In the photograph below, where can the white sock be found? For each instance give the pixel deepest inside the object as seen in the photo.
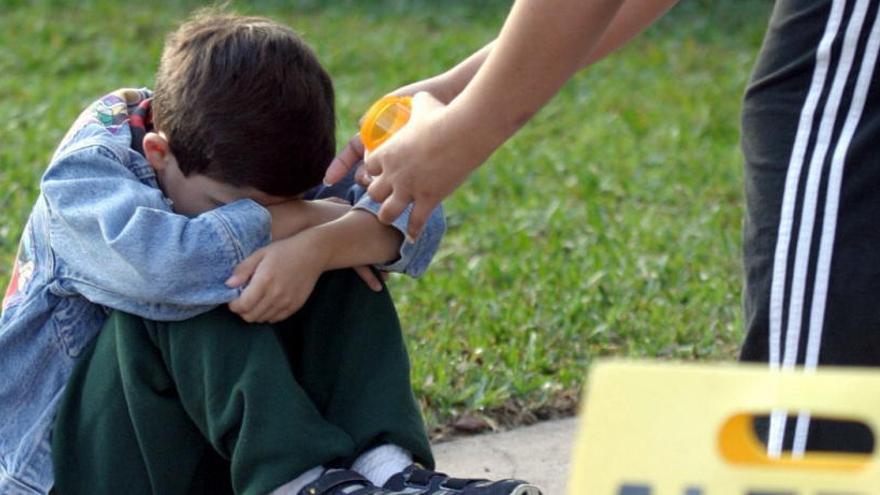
(381, 463)
(294, 487)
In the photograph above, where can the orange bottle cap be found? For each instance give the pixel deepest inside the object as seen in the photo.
(384, 118)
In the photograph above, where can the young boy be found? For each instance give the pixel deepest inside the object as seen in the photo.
(151, 221)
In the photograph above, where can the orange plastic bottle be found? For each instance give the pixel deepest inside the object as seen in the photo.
(384, 118)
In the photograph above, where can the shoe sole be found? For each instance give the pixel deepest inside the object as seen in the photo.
(526, 490)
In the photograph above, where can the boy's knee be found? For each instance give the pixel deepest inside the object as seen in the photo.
(342, 301)
(345, 290)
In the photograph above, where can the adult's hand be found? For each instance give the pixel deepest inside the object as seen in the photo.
(444, 87)
(345, 160)
(417, 165)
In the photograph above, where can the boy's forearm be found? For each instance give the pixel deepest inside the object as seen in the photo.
(356, 239)
(291, 217)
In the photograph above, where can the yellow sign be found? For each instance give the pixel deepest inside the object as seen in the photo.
(686, 429)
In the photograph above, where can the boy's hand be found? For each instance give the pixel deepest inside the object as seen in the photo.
(282, 276)
(369, 277)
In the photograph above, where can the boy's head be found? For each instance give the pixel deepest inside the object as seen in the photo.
(241, 105)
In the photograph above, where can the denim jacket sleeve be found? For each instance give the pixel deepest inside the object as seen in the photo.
(118, 243)
(414, 256)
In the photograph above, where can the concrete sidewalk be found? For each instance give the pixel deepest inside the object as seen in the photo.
(540, 454)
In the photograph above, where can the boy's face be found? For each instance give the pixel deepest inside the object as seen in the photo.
(198, 193)
(195, 194)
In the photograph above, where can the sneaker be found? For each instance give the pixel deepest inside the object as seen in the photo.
(342, 482)
(416, 480)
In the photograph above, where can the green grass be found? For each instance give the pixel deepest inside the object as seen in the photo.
(610, 226)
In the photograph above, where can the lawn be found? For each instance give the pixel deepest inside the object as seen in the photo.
(610, 226)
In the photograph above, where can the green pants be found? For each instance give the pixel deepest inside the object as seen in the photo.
(216, 405)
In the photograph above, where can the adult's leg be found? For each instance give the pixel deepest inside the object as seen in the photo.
(812, 270)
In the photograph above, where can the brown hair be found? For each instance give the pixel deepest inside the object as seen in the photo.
(243, 100)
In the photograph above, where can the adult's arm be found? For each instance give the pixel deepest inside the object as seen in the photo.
(541, 45)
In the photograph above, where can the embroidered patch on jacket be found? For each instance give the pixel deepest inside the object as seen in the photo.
(110, 112)
(22, 273)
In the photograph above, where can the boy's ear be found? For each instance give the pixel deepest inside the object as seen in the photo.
(157, 150)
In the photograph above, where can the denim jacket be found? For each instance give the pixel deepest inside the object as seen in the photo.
(100, 237)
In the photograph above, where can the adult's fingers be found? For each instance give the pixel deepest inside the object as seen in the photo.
(362, 178)
(345, 160)
(372, 165)
(392, 207)
(421, 211)
(379, 189)
(424, 100)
